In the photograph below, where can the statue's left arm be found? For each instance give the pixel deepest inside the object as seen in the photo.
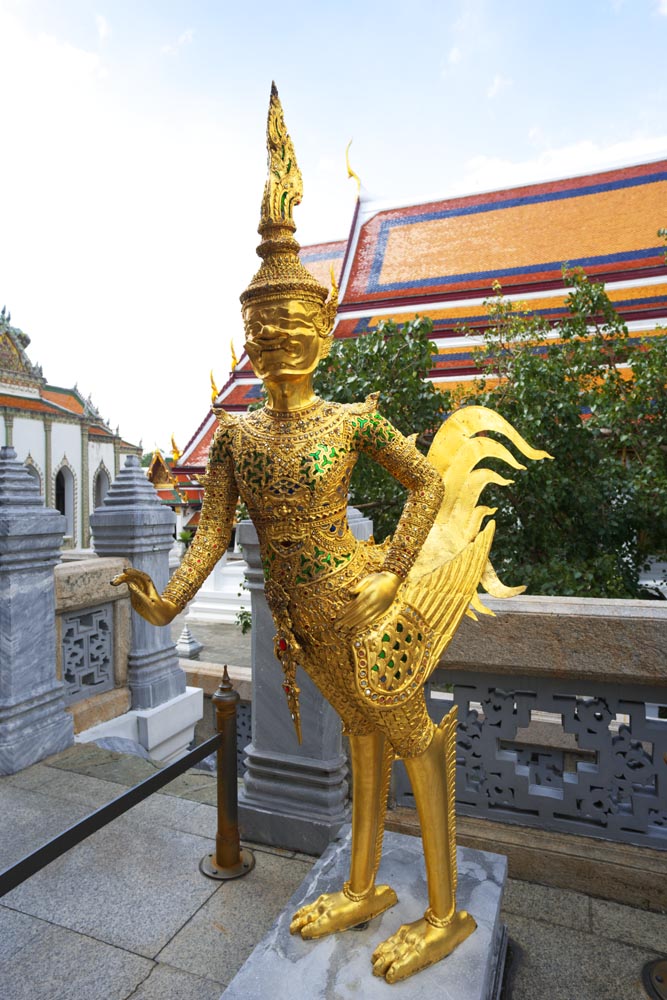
(375, 436)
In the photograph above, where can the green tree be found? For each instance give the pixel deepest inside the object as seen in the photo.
(595, 397)
(394, 360)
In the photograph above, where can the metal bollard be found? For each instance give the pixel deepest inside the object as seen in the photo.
(230, 860)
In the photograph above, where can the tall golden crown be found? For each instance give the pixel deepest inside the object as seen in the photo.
(282, 272)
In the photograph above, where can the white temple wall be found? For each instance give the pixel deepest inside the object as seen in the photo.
(28, 437)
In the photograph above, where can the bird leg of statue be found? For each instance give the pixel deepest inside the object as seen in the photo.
(367, 622)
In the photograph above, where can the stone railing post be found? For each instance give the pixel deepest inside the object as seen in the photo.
(33, 720)
(293, 796)
(133, 523)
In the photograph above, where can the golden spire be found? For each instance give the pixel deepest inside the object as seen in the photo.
(235, 360)
(281, 272)
(214, 388)
(284, 185)
(175, 453)
(350, 171)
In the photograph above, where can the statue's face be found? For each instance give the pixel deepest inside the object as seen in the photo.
(282, 338)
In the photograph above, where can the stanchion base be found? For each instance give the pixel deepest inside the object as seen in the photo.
(208, 867)
(654, 978)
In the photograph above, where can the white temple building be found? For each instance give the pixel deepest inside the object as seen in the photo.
(61, 438)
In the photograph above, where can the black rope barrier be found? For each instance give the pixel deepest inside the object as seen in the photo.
(44, 855)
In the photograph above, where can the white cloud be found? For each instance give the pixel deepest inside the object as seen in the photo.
(111, 258)
(498, 84)
(662, 7)
(487, 173)
(103, 28)
(184, 39)
(454, 56)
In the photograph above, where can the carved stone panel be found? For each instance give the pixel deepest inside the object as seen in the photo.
(557, 754)
(87, 648)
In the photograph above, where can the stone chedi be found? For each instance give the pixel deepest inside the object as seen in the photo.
(33, 720)
(367, 622)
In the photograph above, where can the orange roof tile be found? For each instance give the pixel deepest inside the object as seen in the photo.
(63, 397)
(28, 403)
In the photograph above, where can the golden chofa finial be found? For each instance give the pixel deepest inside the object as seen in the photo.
(175, 453)
(214, 388)
(350, 171)
(235, 360)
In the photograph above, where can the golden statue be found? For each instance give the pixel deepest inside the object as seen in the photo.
(367, 622)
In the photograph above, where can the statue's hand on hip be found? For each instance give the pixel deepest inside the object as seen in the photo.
(144, 597)
(372, 596)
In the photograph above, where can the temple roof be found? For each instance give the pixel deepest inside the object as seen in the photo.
(456, 248)
(440, 259)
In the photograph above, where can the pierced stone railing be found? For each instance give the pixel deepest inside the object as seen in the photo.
(562, 707)
(92, 640)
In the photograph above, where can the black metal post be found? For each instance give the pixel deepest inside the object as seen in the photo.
(229, 860)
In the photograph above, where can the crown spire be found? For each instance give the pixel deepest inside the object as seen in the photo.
(281, 273)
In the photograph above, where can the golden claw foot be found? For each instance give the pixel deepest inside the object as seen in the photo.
(335, 911)
(419, 944)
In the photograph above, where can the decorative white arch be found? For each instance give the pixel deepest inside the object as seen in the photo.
(101, 484)
(35, 472)
(66, 496)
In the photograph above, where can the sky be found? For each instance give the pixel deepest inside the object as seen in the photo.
(133, 154)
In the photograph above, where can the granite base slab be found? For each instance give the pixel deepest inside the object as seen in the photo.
(338, 967)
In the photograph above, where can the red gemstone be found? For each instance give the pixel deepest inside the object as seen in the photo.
(286, 688)
(282, 645)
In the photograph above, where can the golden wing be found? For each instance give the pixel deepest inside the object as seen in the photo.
(455, 452)
(396, 655)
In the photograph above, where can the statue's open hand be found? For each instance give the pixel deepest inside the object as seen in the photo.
(144, 597)
(372, 597)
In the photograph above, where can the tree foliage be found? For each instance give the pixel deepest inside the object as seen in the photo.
(395, 361)
(595, 397)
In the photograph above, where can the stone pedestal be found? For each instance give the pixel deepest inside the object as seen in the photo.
(133, 523)
(33, 720)
(285, 967)
(293, 796)
(222, 595)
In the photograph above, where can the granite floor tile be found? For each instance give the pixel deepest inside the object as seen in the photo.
(174, 813)
(59, 964)
(167, 983)
(17, 930)
(558, 963)
(132, 885)
(629, 924)
(206, 794)
(75, 787)
(29, 819)
(31, 777)
(191, 784)
(219, 938)
(86, 758)
(557, 906)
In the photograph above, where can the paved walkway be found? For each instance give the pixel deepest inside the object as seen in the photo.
(127, 914)
(221, 643)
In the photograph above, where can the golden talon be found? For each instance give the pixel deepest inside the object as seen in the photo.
(337, 911)
(417, 945)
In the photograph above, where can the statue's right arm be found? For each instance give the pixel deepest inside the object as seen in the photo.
(209, 544)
